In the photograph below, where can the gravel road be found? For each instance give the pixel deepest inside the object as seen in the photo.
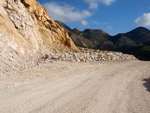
(65, 87)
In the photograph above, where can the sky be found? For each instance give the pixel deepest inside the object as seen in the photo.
(111, 16)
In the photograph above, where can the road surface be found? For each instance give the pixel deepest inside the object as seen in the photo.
(65, 87)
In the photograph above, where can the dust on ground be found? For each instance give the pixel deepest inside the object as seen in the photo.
(65, 87)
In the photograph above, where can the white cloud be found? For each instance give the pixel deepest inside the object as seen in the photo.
(109, 27)
(93, 5)
(143, 20)
(95, 22)
(106, 2)
(65, 12)
(84, 23)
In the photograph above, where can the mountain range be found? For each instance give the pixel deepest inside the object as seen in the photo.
(135, 42)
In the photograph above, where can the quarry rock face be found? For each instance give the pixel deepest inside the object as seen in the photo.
(27, 25)
(28, 32)
(47, 24)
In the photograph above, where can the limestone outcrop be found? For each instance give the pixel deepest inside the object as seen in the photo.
(48, 25)
(27, 33)
(27, 25)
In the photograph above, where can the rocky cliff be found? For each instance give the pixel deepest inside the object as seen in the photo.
(27, 32)
(30, 20)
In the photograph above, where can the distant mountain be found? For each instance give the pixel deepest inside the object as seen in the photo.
(76, 31)
(136, 42)
(99, 38)
(89, 38)
(125, 41)
(76, 36)
(96, 36)
(139, 36)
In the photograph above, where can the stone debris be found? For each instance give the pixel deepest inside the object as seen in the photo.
(89, 56)
(13, 61)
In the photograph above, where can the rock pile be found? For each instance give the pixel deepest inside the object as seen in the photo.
(13, 61)
(89, 56)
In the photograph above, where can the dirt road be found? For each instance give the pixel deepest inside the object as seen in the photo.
(64, 87)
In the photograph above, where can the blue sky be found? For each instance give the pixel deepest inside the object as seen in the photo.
(112, 16)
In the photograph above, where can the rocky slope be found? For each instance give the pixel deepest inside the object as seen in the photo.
(28, 35)
(89, 38)
(135, 42)
(27, 32)
(76, 36)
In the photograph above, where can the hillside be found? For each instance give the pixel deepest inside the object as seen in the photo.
(76, 36)
(139, 35)
(135, 42)
(97, 36)
(88, 38)
(27, 33)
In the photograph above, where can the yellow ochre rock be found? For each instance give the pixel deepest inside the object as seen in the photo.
(26, 27)
(56, 33)
(27, 33)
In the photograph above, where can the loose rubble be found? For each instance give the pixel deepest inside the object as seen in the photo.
(89, 56)
(13, 61)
